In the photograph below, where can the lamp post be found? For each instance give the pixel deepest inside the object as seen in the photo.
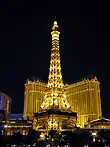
(94, 135)
(5, 128)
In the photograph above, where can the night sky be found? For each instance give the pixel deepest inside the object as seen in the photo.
(25, 44)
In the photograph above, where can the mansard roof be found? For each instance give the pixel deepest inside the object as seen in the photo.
(102, 120)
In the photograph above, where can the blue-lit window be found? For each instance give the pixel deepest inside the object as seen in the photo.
(0, 99)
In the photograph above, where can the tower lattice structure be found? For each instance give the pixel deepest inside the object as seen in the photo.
(55, 97)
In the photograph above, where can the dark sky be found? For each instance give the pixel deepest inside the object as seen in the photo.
(25, 44)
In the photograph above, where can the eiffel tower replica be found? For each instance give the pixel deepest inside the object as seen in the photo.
(55, 113)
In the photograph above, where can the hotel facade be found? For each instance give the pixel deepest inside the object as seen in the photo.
(83, 97)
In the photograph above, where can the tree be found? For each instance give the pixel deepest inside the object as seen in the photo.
(32, 137)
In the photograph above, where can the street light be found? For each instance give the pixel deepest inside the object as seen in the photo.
(5, 129)
(5, 126)
(94, 134)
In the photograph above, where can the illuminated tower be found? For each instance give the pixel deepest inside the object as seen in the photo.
(55, 111)
(55, 97)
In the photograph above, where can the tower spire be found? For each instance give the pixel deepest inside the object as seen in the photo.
(55, 75)
(55, 97)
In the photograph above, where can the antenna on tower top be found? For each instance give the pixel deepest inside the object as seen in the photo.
(54, 18)
(55, 25)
